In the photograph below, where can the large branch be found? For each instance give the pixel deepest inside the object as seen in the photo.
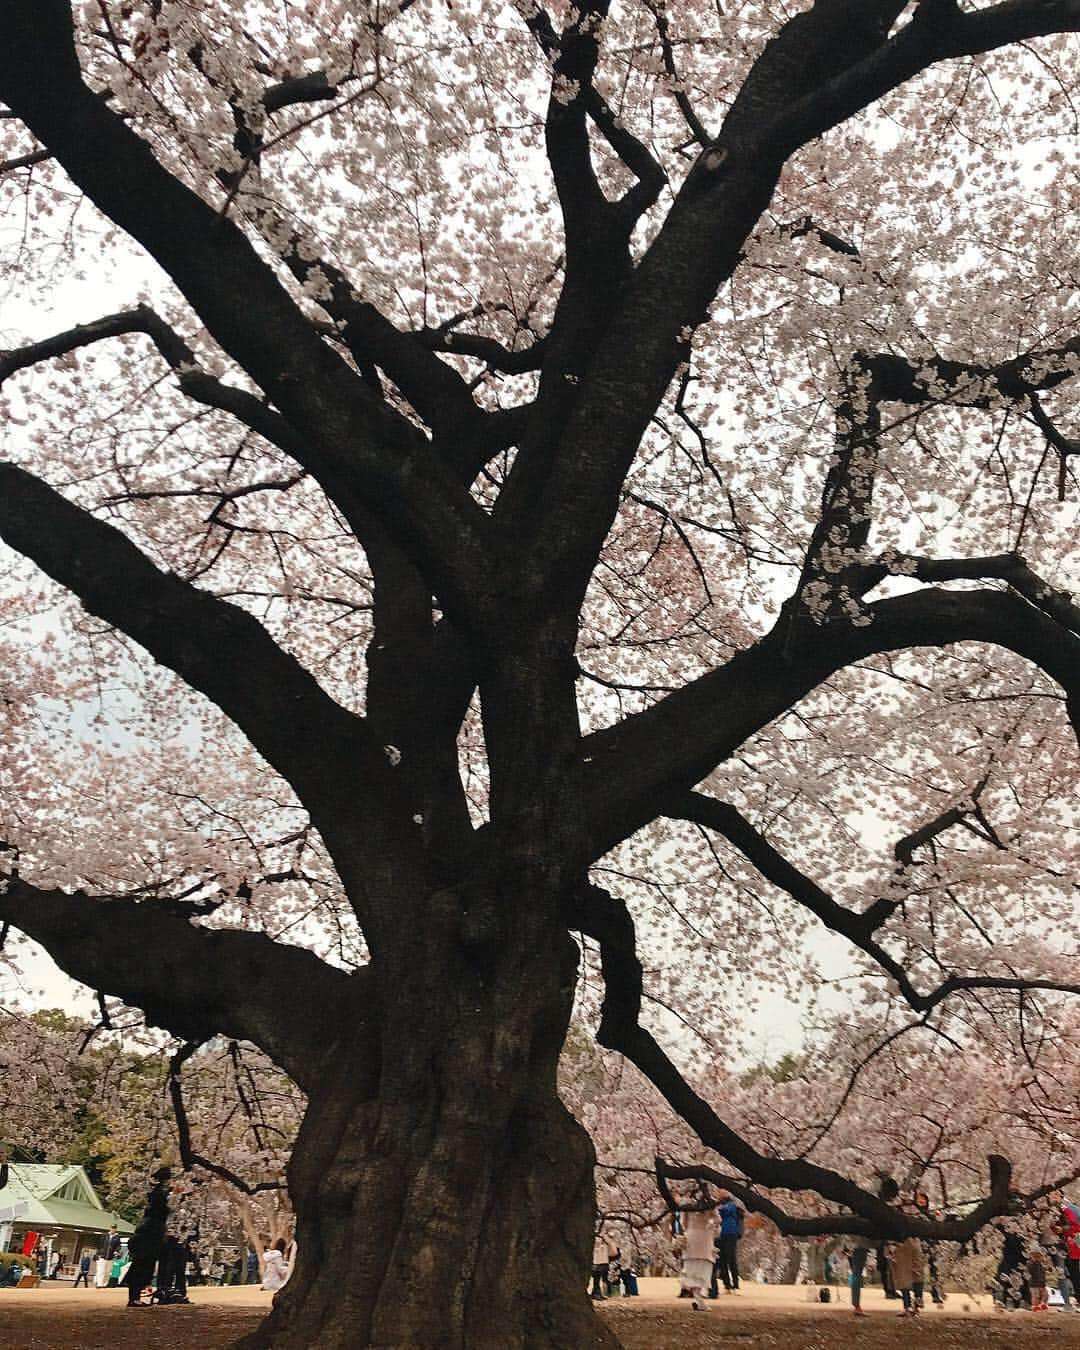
(365, 450)
(218, 649)
(631, 769)
(858, 927)
(194, 982)
(574, 54)
(418, 684)
(798, 1225)
(939, 31)
(836, 47)
(606, 919)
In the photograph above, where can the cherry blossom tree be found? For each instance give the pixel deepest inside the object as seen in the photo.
(561, 497)
(116, 1098)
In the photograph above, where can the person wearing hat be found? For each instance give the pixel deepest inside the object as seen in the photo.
(148, 1240)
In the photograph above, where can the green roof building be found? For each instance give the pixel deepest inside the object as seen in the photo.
(57, 1203)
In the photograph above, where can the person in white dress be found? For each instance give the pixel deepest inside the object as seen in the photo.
(698, 1257)
(275, 1267)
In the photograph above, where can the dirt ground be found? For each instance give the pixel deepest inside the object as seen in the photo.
(653, 1326)
(771, 1317)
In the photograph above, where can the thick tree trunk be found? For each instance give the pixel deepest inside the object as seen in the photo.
(444, 1196)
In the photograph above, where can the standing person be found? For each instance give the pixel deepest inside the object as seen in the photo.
(614, 1270)
(1037, 1264)
(1068, 1228)
(1052, 1241)
(1013, 1289)
(889, 1191)
(884, 1270)
(146, 1243)
(698, 1257)
(907, 1273)
(922, 1207)
(55, 1264)
(276, 1268)
(599, 1265)
(731, 1229)
(112, 1245)
(857, 1256)
(84, 1271)
(172, 1277)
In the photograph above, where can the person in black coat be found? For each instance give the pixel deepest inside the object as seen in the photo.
(146, 1244)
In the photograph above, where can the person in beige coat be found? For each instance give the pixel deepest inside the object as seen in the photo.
(697, 1262)
(906, 1262)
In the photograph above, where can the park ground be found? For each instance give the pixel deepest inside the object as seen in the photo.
(774, 1317)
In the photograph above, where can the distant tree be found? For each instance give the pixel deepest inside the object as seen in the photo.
(577, 498)
(115, 1104)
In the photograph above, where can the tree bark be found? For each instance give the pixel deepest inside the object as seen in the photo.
(444, 1195)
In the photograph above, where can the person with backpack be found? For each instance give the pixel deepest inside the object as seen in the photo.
(732, 1221)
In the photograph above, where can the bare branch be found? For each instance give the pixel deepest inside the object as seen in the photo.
(188, 1157)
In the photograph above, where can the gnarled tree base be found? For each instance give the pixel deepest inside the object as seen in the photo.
(451, 1234)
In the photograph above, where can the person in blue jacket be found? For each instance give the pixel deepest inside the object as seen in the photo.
(727, 1242)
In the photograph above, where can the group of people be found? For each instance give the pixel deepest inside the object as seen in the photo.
(1041, 1249)
(1028, 1263)
(107, 1265)
(611, 1271)
(711, 1231)
(1024, 1271)
(159, 1257)
(902, 1266)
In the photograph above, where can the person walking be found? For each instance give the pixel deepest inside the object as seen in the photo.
(1037, 1267)
(1013, 1289)
(922, 1207)
(727, 1252)
(84, 1271)
(698, 1256)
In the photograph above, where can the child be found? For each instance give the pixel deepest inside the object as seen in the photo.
(1037, 1280)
